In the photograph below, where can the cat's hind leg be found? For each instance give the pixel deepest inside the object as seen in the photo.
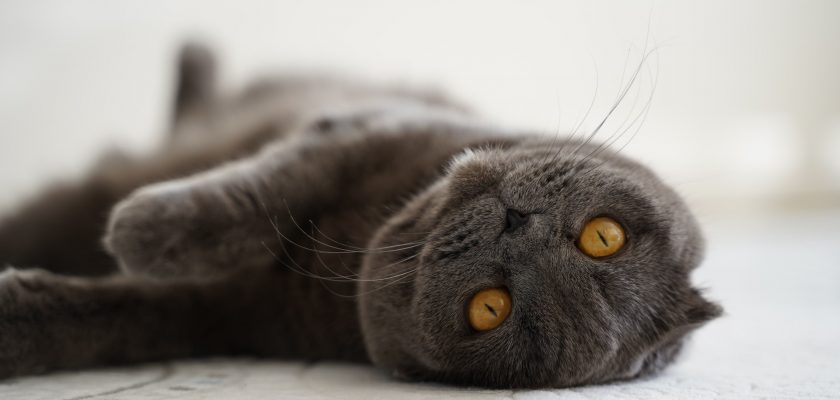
(195, 91)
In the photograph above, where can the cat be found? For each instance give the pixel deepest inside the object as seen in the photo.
(329, 218)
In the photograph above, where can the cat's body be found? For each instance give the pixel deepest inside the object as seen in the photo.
(322, 219)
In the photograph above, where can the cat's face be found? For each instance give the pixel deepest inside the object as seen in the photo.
(573, 318)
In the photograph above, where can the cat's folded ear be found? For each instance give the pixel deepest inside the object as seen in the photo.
(196, 80)
(699, 310)
(696, 312)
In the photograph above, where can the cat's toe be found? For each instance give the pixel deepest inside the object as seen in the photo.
(16, 281)
(32, 280)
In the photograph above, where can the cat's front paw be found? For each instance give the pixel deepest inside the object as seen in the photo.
(147, 232)
(16, 282)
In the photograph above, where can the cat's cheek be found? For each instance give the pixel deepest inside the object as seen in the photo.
(384, 322)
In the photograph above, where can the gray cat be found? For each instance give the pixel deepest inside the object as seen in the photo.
(324, 218)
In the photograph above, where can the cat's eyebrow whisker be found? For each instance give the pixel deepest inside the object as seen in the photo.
(556, 135)
(582, 120)
(611, 139)
(655, 83)
(612, 109)
(622, 94)
(643, 115)
(622, 130)
(624, 67)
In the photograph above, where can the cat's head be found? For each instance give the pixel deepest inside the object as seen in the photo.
(594, 251)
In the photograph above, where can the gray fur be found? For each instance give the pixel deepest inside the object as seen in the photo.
(322, 218)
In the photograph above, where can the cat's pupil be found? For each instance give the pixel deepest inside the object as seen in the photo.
(603, 239)
(515, 219)
(492, 311)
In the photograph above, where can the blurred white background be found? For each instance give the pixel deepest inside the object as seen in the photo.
(745, 115)
(745, 122)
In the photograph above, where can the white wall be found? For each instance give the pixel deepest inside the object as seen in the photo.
(745, 115)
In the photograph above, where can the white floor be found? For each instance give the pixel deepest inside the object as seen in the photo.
(779, 281)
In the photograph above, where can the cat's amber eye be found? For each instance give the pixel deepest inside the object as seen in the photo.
(601, 237)
(489, 308)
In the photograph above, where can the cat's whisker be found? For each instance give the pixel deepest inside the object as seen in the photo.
(591, 106)
(624, 67)
(280, 234)
(315, 240)
(619, 133)
(557, 130)
(296, 244)
(321, 280)
(654, 84)
(402, 280)
(622, 94)
(338, 277)
(299, 270)
(340, 259)
(654, 78)
(612, 109)
(627, 118)
(363, 248)
(582, 120)
(321, 261)
(324, 264)
(343, 250)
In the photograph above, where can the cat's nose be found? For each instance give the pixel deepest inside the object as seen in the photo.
(515, 219)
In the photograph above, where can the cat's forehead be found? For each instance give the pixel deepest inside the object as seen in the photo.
(537, 166)
(569, 181)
